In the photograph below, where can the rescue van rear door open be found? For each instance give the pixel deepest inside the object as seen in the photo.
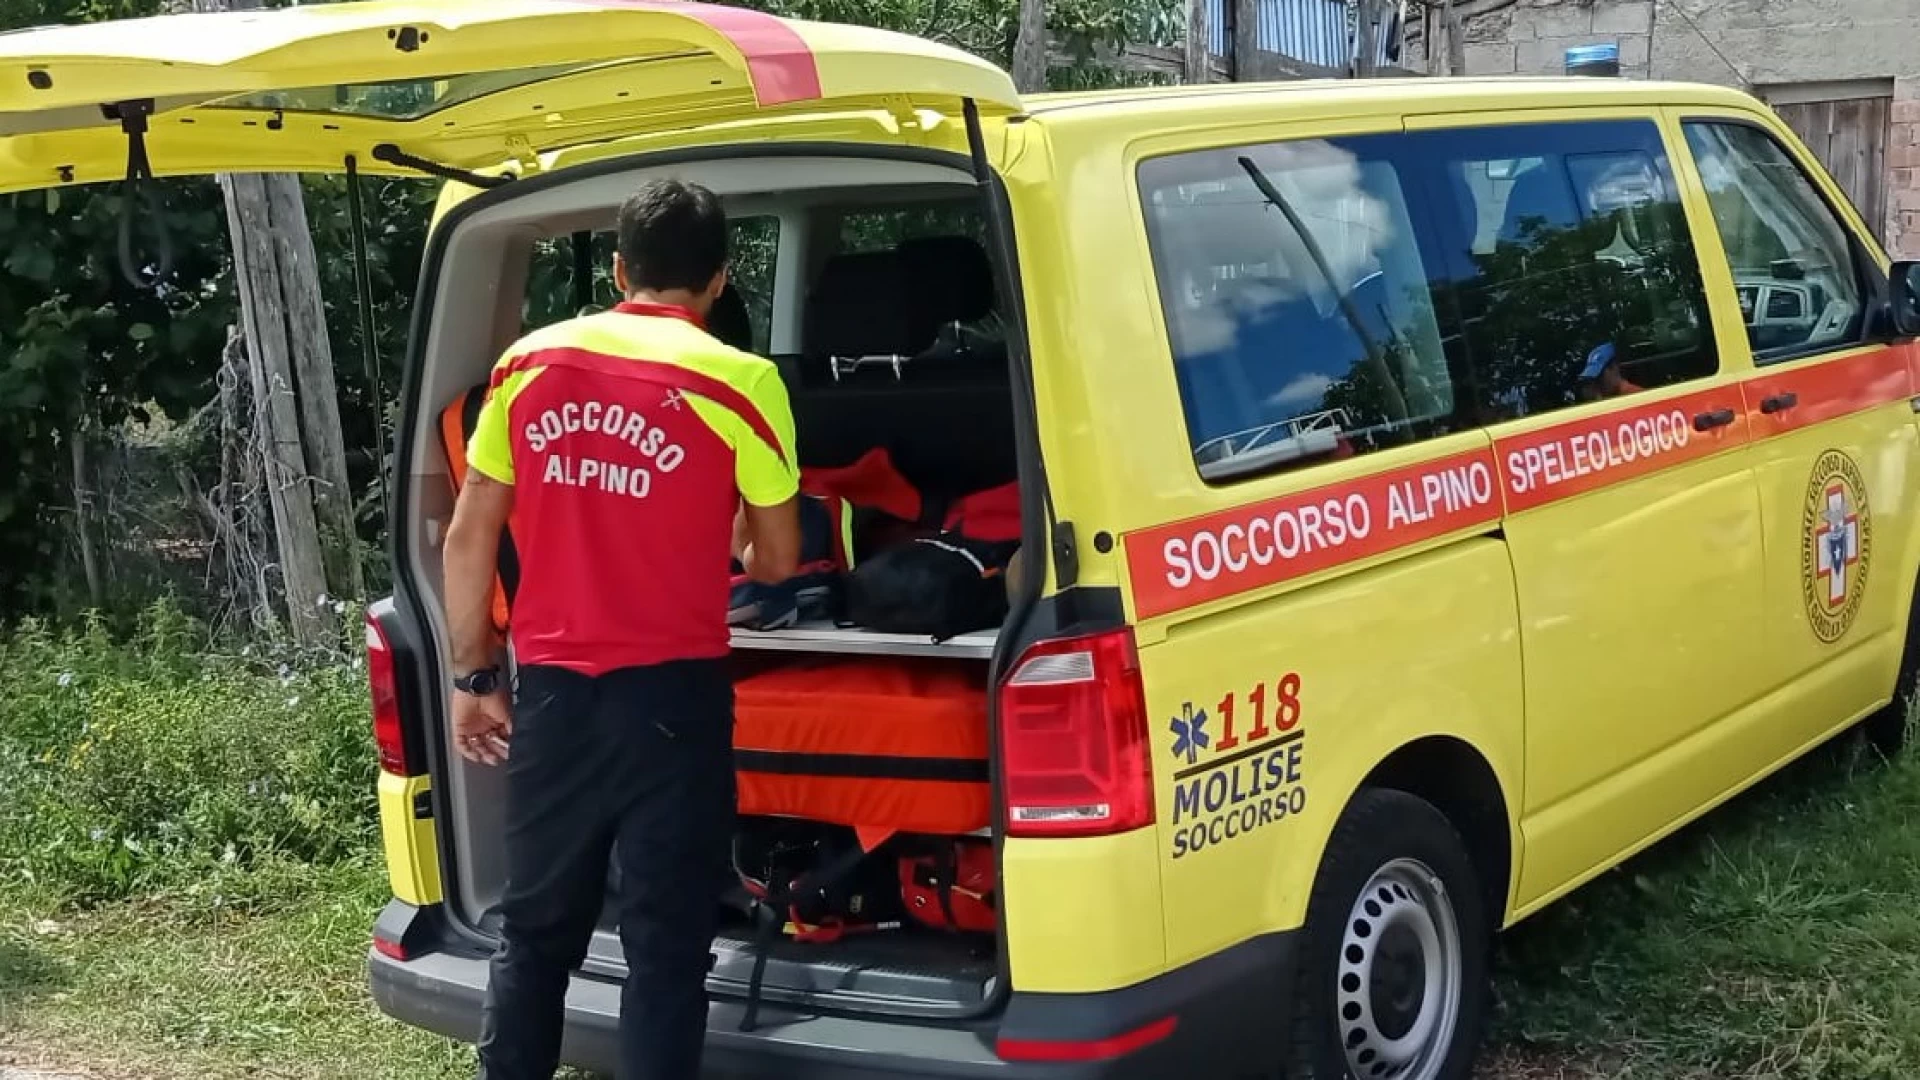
(464, 85)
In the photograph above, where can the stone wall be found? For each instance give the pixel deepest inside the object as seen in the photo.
(1903, 158)
(1744, 43)
(1533, 39)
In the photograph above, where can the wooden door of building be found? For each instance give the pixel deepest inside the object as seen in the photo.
(1849, 136)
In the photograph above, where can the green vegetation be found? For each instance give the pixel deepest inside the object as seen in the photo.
(1777, 938)
(188, 872)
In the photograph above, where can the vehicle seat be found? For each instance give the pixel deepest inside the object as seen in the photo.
(946, 421)
(729, 321)
(1543, 198)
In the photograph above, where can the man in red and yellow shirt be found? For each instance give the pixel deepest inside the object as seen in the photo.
(637, 456)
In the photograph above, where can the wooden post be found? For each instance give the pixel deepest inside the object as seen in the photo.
(1199, 43)
(1030, 48)
(1246, 39)
(83, 512)
(1363, 39)
(321, 434)
(1456, 40)
(296, 402)
(276, 426)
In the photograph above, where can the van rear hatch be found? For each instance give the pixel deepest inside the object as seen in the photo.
(470, 84)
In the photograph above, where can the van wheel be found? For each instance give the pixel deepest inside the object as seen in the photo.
(1392, 981)
(1889, 730)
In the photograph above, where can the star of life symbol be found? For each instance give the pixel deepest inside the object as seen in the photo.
(1837, 543)
(675, 400)
(1190, 733)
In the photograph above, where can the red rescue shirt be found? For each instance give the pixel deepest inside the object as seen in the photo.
(631, 437)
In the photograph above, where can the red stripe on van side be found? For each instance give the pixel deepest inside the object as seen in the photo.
(1593, 452)
(1218, 555)
(1561, 461)
(778, 60)
(1830, 390)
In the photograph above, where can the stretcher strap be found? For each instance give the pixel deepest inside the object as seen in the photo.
(771, 913)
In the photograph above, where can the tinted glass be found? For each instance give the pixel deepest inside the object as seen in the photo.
(1298, 301)
(1332, 297)
(408, 99)
(551, 294)
(1791, 257)
(1572, 268)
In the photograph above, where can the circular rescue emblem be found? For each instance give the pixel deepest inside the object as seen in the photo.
(1836, 545)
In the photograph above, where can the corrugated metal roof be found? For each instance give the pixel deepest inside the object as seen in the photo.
(1319, 32)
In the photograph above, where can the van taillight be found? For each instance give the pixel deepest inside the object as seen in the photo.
(1073, 739)
(386, 702)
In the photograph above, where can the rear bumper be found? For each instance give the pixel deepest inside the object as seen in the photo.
(1226, 1008)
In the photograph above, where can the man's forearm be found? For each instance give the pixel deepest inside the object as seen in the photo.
(469, 576)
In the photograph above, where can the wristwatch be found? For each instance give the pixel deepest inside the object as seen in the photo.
(481, 683)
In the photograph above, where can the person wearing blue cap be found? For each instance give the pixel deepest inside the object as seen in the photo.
(1601, 378)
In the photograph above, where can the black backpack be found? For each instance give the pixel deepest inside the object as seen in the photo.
(937, 586)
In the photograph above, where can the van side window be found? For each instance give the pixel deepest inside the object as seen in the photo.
(1793, 264)
(1575, 274)
(1298, 303)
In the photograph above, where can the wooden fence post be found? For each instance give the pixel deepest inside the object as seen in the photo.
(1199, 43)
(1246, 40)
(1030, 48)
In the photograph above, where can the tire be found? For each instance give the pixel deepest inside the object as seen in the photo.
(1392, 982)
(1889, 730)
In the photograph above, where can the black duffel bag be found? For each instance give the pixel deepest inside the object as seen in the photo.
(936, 586)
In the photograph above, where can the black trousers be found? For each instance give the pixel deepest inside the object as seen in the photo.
(641, 758)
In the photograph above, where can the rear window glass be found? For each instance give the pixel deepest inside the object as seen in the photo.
(1297, 300)
(408, 99)
(553, 281)
(885, 229)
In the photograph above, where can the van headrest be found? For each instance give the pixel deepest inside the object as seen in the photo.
(1541, 194)
(858, 307)
(951, 279)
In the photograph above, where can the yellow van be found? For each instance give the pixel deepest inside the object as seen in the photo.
(1435, 491)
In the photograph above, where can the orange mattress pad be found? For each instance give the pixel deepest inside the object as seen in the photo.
(882, 745)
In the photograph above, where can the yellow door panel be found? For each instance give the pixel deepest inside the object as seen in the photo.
(1834, 446)
(1266, 717)
(1639, 612)
(1837, 496)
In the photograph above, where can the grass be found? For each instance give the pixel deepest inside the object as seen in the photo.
(166, 989)
(186, 888)
(1778, 938)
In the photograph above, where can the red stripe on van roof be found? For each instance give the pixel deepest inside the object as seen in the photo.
(778, 60)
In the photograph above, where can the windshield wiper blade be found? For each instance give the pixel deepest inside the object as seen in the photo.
(393, 155)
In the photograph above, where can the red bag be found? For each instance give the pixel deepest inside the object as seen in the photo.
(992, 515)
(952, 886)
(883, 745)
(872, 481)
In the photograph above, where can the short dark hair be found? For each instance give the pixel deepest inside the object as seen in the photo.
(673, 235)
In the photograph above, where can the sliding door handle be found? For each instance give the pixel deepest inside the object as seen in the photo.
(1707, 421)
(1780, 402)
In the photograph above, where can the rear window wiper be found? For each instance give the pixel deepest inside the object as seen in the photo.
(1390, 388)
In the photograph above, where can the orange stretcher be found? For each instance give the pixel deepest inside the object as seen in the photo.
(883, 745)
